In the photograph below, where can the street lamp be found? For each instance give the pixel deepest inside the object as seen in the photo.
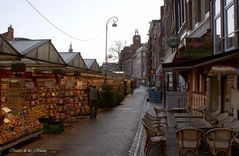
(113, 19)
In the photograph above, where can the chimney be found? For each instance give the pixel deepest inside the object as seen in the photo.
(9, 35)
(70, 50)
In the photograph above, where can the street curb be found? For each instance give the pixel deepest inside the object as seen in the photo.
(137, 143)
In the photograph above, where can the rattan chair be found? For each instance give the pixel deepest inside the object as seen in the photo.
(226, 121)
(153, 124)
(161, 115)
(211, 115)
(235, 125)
(220, 140)
(153, 137)
(189, 139)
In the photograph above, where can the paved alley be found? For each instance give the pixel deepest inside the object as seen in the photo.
(111, 134)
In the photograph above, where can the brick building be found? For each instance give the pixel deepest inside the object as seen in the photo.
(128, 52)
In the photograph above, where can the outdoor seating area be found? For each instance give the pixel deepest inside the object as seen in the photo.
(154, 134)
(214, 135)
(220, 140)
(218, 131)
(189, 139)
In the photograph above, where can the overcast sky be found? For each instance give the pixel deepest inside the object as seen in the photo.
(83, 19)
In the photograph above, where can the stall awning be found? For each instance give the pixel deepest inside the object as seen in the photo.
(194, 63)
(7, 51)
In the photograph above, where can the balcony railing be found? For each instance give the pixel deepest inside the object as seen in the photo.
(179, 99)
(195, 101)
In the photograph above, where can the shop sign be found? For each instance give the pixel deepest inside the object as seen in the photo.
(173, 41)
(195, 53)
(196, 48)
(197, 43)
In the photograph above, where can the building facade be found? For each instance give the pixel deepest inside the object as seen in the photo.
(128, 52)
(154, 49)
(138, 62)
(207, 55)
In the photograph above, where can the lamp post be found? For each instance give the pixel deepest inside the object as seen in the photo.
(113, 19)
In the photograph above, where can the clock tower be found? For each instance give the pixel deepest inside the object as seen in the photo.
(136, 40)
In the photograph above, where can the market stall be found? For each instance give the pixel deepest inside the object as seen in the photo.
(18, 121)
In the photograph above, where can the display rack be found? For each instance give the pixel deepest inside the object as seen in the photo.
(17, 107)
(20, 140)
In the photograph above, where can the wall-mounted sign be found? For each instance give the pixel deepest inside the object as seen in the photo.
(173, 41)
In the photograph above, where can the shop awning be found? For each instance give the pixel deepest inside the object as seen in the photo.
(73, 59)
(39, 50)
(7, 51)
(92, 64)
(194, 63)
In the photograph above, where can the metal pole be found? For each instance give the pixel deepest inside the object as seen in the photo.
(115, 19)
(106, 37)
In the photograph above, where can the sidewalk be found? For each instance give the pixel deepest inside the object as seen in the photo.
(172, 147)
(110, 134)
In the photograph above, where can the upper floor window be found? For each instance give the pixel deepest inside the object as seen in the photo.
(181, 12)
(228, 1)
(218, 35)
(230, 27)
(217, 27)
(217, 6)
(225, 31)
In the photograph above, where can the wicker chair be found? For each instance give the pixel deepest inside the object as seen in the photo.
(189, 139)
(154, 137)
(235, 125)
(226, 121)
(152, 123)
(161, 115)
(220, 140)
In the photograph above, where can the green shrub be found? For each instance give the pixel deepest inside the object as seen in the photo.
(109, 97)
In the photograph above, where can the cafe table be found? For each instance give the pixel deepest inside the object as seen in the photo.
(200, 123)
(186, 115)
(190, 120)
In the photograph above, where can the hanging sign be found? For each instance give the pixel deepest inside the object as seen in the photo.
(173, 41)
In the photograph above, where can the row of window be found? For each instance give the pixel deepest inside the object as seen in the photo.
(192, 11)
(225, 15)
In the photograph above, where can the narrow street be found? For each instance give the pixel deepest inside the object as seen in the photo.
(111, 134)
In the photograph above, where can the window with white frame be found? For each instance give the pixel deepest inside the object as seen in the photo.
(217, 27)
(226, 17)
(181, 12)
(229, 25)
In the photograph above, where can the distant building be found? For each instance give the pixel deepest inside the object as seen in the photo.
(9, 35)
(154, 51)
(128, 52)
(110, 67)
(138, 64)
(92, 64)
(73, 59)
